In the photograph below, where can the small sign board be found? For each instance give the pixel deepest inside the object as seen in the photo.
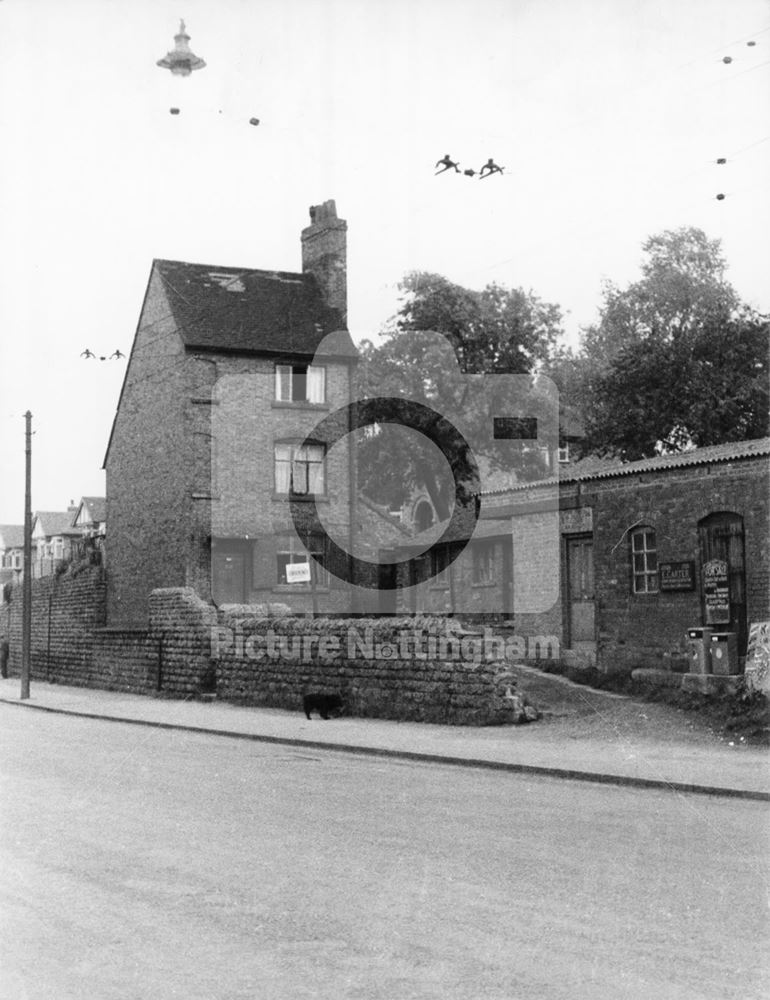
(298, 572)
(716, 592)
(676, 575)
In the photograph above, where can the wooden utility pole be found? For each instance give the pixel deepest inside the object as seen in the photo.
(26, 606)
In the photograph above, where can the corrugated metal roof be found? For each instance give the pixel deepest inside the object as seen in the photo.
(237, 309)
(734, 450)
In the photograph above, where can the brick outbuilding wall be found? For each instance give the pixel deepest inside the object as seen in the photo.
(646, 630)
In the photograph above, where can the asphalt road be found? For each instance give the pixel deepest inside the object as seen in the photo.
(139, 863)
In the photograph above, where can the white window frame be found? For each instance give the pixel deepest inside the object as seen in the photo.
(298, 468)
(291, 550)
(286, 383)
(644, 560)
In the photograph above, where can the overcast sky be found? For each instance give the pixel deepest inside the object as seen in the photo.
(608, 116)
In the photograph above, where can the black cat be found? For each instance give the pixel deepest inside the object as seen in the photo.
(323, 704)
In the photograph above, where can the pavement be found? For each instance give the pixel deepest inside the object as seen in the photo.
(607, 738)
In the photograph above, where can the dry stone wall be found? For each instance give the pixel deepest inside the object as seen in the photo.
(425, 669)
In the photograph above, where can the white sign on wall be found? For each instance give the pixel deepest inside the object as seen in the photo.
(298, 572)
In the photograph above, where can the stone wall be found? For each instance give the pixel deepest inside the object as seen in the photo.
(66, 613)
(425, 670)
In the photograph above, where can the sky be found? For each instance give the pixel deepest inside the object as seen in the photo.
(607, 115)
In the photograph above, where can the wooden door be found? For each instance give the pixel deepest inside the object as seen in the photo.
(229, 577)
(580, 594)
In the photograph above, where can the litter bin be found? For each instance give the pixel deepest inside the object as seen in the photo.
(724, 653)
(698, 651)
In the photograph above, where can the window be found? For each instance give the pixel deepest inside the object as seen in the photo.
(439, 566)
(300, 469)
(291, 550)
(644, 561)
(300, 383)
(483, 562)
(563, 455)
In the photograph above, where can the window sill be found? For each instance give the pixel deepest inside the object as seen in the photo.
(295, 588)
(301, 497)
(298, 404)
(484, 583)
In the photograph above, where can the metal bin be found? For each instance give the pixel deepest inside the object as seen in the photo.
(698, 650)
(724, 653)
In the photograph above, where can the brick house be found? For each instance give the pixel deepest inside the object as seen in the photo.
(223, 379)
(638, 544)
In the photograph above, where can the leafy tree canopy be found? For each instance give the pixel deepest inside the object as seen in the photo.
(495, 331)
(675, 361)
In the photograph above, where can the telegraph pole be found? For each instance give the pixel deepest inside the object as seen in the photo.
(26, 607)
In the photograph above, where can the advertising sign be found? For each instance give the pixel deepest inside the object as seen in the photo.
(716, 592)
(298, 572)
(677, 575)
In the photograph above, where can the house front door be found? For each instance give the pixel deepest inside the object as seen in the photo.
(580, 596)
(229, 577)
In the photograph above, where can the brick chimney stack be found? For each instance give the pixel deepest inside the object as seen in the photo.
(324, 254)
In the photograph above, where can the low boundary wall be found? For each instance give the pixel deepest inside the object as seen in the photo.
(423, 669)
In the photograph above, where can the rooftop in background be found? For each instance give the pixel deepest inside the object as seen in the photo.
(55, 522)
(12, 536)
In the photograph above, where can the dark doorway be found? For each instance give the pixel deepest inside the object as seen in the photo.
(720, 536)
(229, 564)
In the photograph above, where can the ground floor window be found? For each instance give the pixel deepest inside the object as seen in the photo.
(644, 557)
(291, 550)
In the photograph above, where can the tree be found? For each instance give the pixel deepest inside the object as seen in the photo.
(496, 330)
(675, 361)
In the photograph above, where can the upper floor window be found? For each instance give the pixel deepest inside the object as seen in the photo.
(299, 468)
(644, 557)
(300, 383)
(563, 454)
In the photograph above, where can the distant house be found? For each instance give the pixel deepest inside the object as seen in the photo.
(91, 517)
(207, 441)
(11, 552)
(53, 538)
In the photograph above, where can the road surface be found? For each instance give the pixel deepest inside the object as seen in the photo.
(142, 863)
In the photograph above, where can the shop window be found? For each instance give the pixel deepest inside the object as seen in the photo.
(644, 557)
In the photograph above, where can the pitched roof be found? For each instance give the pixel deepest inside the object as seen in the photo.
(239, 309)
(56, 522)
(604, 469)
(12, 535)
(97, 508)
